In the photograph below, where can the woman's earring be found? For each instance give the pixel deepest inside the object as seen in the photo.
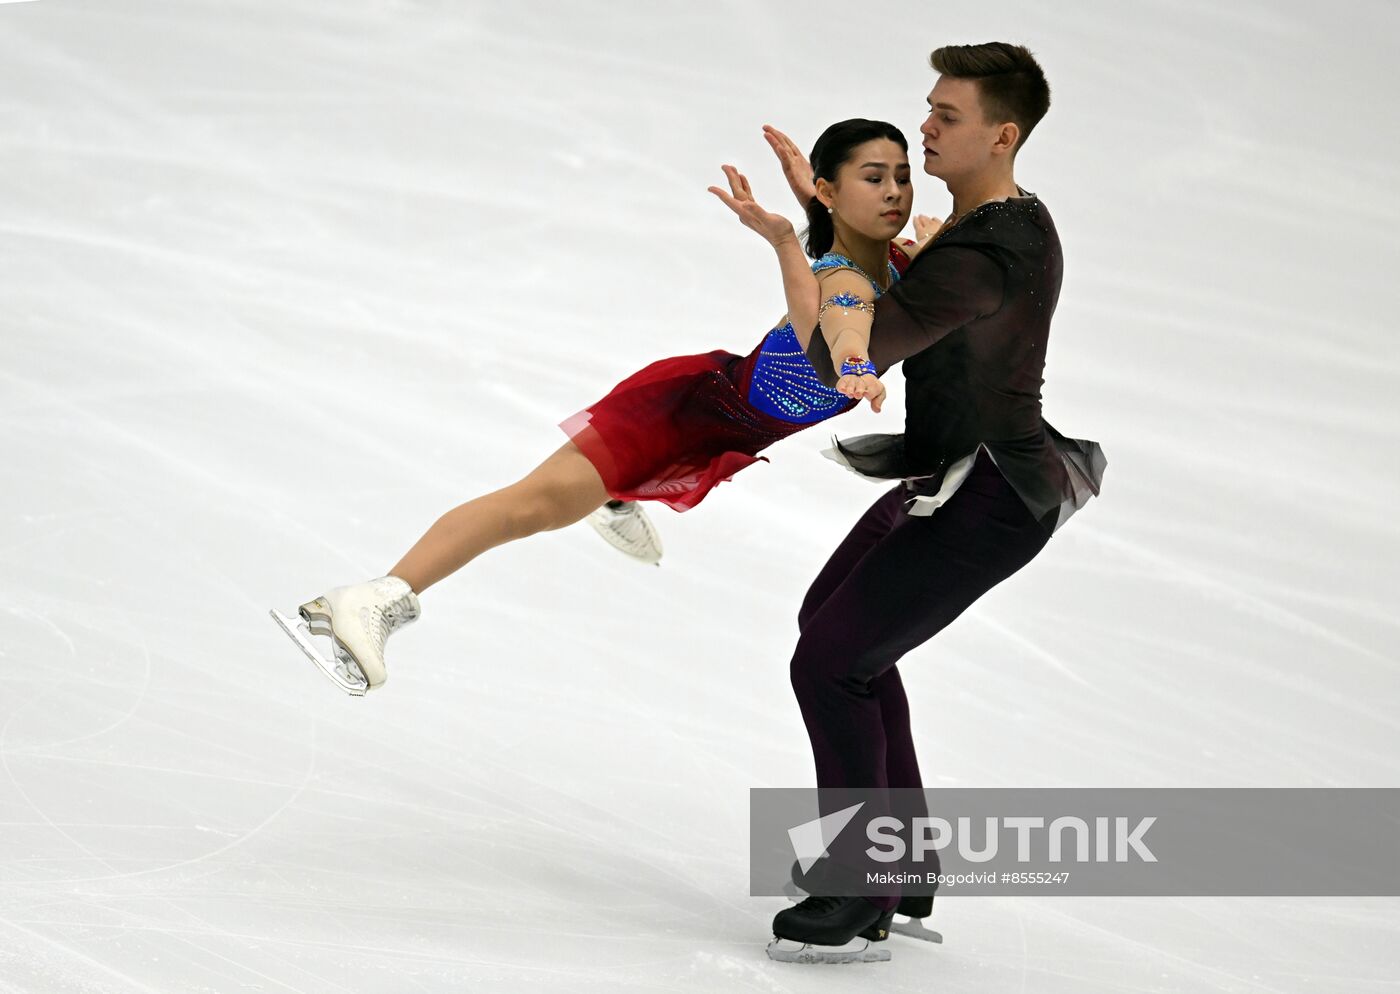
(830, 210)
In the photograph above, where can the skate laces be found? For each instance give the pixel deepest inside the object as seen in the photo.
(400, 612)
(630, 525)
(382, 619)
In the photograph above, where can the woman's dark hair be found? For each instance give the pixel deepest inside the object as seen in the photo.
(832, 150)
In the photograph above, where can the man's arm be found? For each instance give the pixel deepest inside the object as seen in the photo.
(951, 287)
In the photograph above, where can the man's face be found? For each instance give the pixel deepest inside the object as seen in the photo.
(958, 140)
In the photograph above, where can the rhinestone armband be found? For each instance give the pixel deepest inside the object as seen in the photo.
(847, 302)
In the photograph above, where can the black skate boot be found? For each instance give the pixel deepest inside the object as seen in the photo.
(822, 877)
(880, 930)
(915, 907)
(826, 921)
(829, 930)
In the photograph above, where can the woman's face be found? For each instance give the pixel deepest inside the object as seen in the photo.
(872, 193)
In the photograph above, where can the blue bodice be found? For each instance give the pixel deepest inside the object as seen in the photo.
(784, 384)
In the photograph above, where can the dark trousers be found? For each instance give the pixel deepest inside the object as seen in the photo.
(895, 582)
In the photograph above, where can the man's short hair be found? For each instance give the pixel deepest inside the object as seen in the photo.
(1011, 83)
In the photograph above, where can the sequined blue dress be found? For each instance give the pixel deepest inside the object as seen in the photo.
(674, 430)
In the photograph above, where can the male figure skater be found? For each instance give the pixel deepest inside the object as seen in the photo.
(984, 480)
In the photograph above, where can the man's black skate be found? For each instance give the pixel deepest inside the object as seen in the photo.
(915, 906)
(825, 876)
(827, 921)
(830, 930)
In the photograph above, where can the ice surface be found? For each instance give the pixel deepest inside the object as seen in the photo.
(282, 282)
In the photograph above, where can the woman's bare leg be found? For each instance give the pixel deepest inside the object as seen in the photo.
(563, 489)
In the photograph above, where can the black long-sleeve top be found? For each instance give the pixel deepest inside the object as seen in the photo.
(970, 320)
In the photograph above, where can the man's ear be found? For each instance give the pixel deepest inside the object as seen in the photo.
(1008, 136)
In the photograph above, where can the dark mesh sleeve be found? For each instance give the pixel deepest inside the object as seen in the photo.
(952, 287)
(819, 355)
(949, 288)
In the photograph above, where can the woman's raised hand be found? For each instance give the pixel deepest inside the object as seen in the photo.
(773, 227)
(863, 387)
(925, 227)
(795, 165)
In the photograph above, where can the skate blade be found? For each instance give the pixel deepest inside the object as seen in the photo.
(344, 675)
(915, 928)
(855, 951)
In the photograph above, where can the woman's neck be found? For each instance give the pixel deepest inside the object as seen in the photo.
(871, 256)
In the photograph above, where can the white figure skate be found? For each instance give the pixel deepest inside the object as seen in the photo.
(626, 527)
(358, 621)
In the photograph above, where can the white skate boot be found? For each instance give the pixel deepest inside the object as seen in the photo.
(358, 620)
(626, 528)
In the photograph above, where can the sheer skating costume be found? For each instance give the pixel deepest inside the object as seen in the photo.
(674, 430)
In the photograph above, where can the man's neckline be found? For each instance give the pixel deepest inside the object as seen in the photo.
(1024, 195)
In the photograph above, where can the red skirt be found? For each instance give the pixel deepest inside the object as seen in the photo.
(675, 430)
(680, 427)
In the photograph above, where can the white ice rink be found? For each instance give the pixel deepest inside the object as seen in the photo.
(280, 282)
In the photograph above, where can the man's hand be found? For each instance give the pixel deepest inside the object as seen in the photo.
(773, 227)
(795, 165)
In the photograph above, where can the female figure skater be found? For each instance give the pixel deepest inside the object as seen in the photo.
(677, 428)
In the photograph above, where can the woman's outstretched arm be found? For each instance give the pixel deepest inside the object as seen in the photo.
(846, 314)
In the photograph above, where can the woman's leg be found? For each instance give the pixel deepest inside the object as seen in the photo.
(561, 490)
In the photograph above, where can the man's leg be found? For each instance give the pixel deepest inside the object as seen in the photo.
(908, 587)
(902, 766)
(905, 589)
(873, 525)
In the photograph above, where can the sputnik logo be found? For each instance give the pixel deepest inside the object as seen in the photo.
(810, 839)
